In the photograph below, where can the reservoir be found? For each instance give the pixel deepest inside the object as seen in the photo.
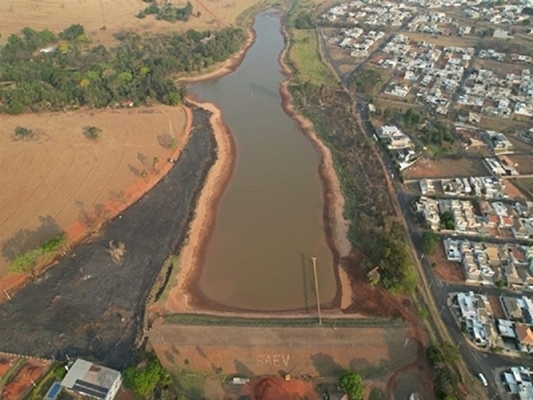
(269, 221)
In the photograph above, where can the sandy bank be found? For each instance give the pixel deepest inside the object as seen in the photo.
(334, 221)
(205, 212)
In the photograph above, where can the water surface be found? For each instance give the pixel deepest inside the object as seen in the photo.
(269, 221)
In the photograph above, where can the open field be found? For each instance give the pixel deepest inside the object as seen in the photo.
(114, 15)
(304, 54)
(309, 351)
(62, 180)
(92, 305)
(441, 40)
(445, 168)
(523, 163)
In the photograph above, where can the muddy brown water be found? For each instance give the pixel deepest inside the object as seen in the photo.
(269, 220)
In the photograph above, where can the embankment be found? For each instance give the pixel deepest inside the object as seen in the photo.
(200, 228)
(90, 306)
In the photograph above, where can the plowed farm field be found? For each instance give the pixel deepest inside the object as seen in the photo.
(104, 18)
(62, 181)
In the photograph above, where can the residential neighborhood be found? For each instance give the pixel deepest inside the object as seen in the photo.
(449, 90)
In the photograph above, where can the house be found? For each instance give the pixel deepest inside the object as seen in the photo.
(524, 338)
(426, 186)
(92, 380)
(518, 382)
(511, 308)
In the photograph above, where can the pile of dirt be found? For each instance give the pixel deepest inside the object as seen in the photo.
(367, 300)
(277, 388)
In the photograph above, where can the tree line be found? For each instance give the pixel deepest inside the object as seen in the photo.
(71, 73)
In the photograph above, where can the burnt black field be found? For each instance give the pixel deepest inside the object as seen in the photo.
(88, 306)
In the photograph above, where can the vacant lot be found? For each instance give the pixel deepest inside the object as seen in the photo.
(114, 15)
(445, 168)
(62, 178)
(92, 305)
(523, 163)
(251, 351)
(441, 40)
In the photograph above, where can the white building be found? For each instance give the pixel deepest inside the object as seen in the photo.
(92, 380)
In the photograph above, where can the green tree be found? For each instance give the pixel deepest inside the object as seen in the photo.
(429, 242)
(144, 380)
(72, 32)
(353, 386)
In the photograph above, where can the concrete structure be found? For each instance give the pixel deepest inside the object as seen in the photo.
(92, 380)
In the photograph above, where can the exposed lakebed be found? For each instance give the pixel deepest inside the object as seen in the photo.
(270, 219)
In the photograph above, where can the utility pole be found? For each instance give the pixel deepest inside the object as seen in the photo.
(316, 290)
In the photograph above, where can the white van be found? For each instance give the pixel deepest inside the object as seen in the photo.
(483, 379)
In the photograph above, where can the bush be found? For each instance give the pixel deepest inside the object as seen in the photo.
(353, 386)
(430, 242)
(23, 133)
(72, 32)
(92, 132)
(143, 381)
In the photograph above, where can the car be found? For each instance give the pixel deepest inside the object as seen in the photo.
(483, 379)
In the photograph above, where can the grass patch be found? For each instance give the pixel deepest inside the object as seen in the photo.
(376, 394)
(211, 320)
(168, 274)
(189, 383)
(11, 372)
(305, 57)
(27, 261)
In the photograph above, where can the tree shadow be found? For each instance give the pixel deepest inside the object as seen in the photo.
(164, 140)
(143, 159)
(25, 239)
(134, 170)
(325, 365)
(242, 369)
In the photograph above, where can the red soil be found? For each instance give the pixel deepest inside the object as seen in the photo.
(367, 300)
(5, 363)
(22, 383)
(278, 388)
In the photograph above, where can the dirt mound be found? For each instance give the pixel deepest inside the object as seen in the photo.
(278, 388)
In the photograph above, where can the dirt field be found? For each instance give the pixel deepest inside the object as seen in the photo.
(441, 40)
(448, 271)
(524, 163)
(91, 306)
(249, 351)
(114, 15)
(20, 384)
(61, 178)
(445, 168)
